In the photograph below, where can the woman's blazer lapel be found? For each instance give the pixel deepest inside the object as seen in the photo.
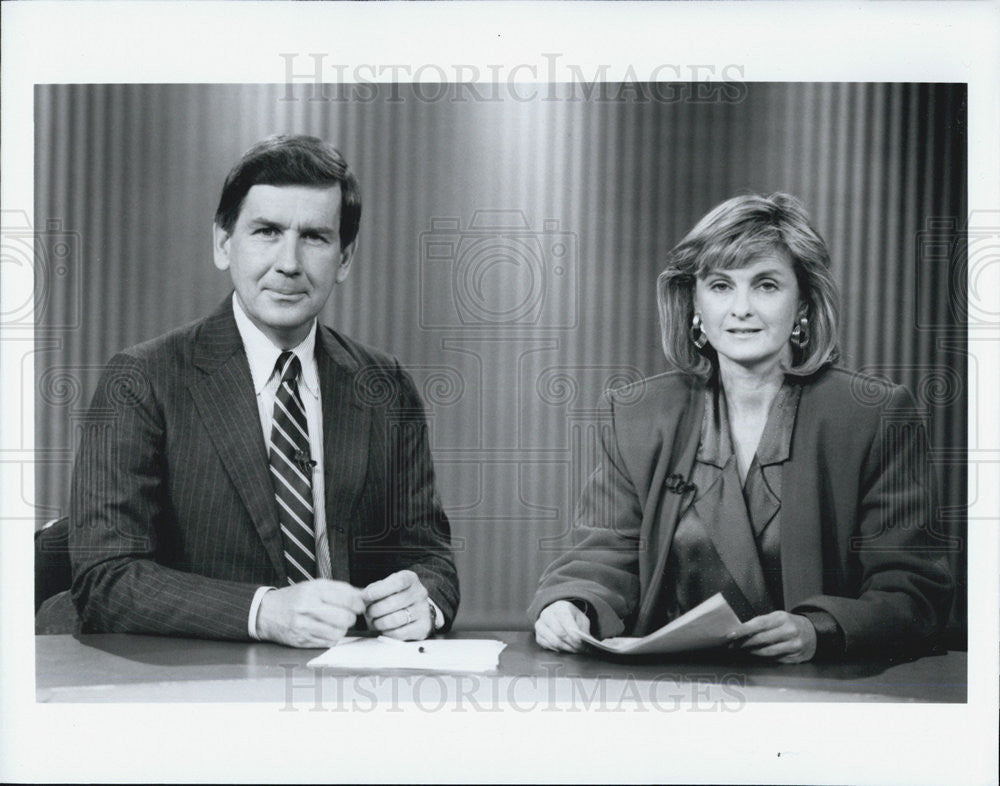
(801, 496)
(671, 441)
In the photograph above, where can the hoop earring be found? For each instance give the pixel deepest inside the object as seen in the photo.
(696, 333)
(800, 334)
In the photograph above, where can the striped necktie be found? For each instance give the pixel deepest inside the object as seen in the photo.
(291, 472)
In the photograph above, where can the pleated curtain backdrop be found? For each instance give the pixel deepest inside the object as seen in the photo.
(508, 255)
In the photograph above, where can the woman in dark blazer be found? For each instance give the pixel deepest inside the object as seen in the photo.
(758, 469)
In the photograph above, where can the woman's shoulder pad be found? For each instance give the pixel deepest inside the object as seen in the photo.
(853, 389)
(666, 386)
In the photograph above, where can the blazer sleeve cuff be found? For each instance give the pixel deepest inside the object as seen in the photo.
(604, 622)
(829, 635)
(443, 596)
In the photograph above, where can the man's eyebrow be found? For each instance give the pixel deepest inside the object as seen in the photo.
(265, 222)
(322, 229)
(261, 221)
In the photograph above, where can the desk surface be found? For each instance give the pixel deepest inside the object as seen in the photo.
(153, 668)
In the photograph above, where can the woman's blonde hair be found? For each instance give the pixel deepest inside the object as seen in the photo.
(733, 235)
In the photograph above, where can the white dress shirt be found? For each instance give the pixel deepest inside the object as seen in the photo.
(262, 355)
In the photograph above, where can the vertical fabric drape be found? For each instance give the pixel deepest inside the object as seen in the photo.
(508, 254)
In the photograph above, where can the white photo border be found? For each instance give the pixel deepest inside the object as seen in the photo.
(61, 42)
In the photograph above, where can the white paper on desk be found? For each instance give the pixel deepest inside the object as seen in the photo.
(706, 625)
(467, 655)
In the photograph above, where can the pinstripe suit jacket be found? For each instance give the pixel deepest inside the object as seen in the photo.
(173, 520)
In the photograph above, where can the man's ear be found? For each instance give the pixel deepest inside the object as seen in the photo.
(344, 266)
(220, 247)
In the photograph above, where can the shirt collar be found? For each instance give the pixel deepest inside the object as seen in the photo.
(715, 446)
(262, 354)
(775, 444)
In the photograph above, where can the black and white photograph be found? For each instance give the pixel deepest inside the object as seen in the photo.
(431, 399)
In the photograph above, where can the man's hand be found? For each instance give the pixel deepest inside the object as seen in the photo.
(398, 607)
(789, 638)
(559, 627)
(310, 614)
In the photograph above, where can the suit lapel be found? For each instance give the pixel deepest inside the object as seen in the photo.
(225, 399)
(801, 537)
(346, 427)
(677, 459)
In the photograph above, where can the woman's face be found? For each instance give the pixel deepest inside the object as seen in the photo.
(748, 313)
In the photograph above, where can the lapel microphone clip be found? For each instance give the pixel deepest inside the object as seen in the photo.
(676, 484)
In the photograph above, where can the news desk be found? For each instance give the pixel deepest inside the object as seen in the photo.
(124, 668)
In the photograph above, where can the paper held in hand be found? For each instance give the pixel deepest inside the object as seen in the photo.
(706, 625)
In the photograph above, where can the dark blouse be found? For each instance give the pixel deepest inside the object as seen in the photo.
(747, 513)
(722, 508)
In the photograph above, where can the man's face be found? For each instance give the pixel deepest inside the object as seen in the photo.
(284, 257)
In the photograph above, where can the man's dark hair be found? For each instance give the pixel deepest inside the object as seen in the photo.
(286, 160)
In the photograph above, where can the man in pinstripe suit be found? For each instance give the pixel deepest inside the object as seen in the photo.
(179, 525)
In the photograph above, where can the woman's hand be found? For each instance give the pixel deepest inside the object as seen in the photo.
(559, 627)
(788, 638)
